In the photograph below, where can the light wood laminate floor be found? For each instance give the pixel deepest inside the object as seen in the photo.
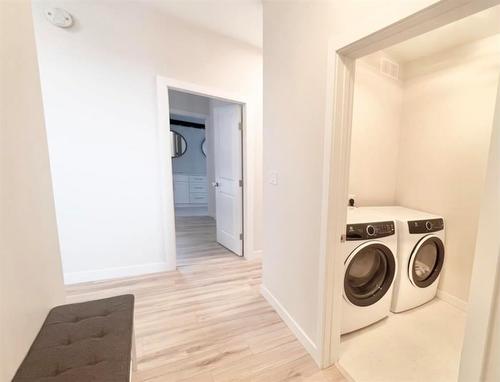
(207, 322)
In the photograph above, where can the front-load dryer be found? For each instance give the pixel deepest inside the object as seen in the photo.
(369, 268)
(421, 254)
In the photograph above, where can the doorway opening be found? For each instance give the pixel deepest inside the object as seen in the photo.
(414, 106)
(207, 174)
(203, 145)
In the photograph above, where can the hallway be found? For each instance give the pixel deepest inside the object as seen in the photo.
(196, 241)
(207, 321)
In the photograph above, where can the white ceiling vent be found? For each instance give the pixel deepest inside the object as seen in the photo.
(389, 68)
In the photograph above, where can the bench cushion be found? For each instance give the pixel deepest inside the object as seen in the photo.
(89, 341)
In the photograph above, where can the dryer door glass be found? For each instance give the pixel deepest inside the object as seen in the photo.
(369, 274)
(427, 261)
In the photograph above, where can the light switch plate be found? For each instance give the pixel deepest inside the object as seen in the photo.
(273, 178)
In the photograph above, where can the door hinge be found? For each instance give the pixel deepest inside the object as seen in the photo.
(241, 236)
(343, 238)
(240, 126)
(240, 182)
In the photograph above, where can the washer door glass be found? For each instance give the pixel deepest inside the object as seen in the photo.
(369, 274)
(427, 261)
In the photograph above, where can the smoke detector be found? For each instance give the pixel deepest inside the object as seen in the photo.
(389, 68)
(59, 17)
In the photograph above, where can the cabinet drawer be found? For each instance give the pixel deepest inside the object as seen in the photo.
(198, 187)
(198, 178)
(181, 178)
(198, 198)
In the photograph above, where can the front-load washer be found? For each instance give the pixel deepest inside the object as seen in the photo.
(369, 268)
(421, 254)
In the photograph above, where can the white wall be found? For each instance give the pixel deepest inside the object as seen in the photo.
(297, 37)
(99, 89)
(375, 136)
(492, 370)
(30, 269)
(489, 245)
(448, 107)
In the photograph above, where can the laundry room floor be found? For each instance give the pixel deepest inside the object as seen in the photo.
(420, 345)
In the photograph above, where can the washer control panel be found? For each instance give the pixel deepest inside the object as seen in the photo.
(425, 226)
(367, 231)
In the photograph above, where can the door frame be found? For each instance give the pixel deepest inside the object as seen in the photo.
(163, 85)
(336, 164)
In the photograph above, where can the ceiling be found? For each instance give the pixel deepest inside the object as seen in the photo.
(474, 27)
(238, 19)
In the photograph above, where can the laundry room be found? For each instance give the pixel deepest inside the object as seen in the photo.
(421, 129)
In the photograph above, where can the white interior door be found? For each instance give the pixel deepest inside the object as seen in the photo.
(228, 174)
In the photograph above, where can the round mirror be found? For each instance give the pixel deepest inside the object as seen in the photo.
(179, 144)
(204, 147)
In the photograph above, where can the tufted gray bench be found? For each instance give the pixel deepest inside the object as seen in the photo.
(89, 341)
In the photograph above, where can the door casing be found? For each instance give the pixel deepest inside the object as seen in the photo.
(163, 85)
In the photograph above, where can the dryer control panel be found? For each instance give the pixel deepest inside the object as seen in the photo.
(366, 231)
(425, 226)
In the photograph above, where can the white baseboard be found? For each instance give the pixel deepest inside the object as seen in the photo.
(257, 254)
(253, 255)
(452, 300)
(113, 273)
(303, 338)
(186, 211)
(344, 372)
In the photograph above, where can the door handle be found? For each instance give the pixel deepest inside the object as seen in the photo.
(215, 184)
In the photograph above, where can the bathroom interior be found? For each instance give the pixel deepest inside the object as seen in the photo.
(190, 128)
(207, 179)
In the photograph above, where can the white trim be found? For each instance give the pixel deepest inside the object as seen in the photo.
(335, 185)
(190, 210)
(299, 333)
(163, 85)
(113, 273)
(432, 17)
(485, 280)
(204, 91)
(257, 254)
(452, 300)
(337, 149)
(344, 372)
(184, 113)
(166, 178)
